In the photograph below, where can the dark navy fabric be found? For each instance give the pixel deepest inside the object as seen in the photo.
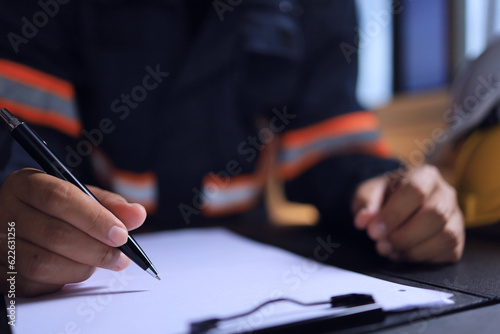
(218, 73)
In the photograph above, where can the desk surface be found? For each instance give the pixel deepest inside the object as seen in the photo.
(479, 320)
(474, 280)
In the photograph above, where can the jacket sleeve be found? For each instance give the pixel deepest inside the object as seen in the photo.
(37, 74)
(332, 145)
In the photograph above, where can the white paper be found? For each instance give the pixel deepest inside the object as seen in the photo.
(205, 273)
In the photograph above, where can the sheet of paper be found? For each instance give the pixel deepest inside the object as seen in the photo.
(205, 273)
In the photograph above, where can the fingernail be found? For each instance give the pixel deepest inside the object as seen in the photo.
(122, 263)
(384, 247)
(118, 235)
(377, 230)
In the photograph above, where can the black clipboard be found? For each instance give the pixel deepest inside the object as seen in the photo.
(350, 318)
(355, 310)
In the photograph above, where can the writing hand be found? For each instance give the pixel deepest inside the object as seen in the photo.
(61, 234)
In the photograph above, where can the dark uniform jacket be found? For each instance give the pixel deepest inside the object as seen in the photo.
(187, 106)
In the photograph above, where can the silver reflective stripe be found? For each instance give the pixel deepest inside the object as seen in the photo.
(36, 98)
(145, 193)
(329, 145)
(227, 197)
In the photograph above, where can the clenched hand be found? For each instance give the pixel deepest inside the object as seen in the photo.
(412, 216)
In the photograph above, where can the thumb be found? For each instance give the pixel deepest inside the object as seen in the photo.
(367, 201)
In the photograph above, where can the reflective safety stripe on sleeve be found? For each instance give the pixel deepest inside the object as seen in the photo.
(39, 98)
(234, 194)
(353, 133)
(135, 187)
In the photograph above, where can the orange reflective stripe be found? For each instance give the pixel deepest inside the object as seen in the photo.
(353, 133)
(39, 98)
(209, 211)
(37, 79)
(145, 178)
(337, 126)
(48, 118)
(236, 181)
(136, 187)
(238, 193)
(289, 171)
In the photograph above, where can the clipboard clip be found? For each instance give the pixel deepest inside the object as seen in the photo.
(357, 308)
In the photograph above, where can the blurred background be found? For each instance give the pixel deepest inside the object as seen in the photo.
(419, 45)
(409, 53)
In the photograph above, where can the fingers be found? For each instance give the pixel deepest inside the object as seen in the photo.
(25, 287)
(132, 215)
(61, 234)
(419, 220)
(66, 202)
(59, 237)
(404, 201)
(446, 246)
(367, 201)
(430, 219)
(40, 265)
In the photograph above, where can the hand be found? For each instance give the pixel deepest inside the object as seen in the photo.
(412, 216)
(61, 234)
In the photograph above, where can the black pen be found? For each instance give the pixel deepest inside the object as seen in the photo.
(37, 148)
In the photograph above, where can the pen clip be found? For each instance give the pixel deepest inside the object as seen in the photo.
(11, 121)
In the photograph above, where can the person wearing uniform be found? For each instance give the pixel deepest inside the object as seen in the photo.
(181, 109)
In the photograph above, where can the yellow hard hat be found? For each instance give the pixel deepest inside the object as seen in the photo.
(477, 177)
(473, 133)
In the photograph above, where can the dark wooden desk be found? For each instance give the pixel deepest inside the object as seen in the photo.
(474, 280)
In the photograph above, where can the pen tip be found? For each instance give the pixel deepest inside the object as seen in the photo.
(158, 278)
